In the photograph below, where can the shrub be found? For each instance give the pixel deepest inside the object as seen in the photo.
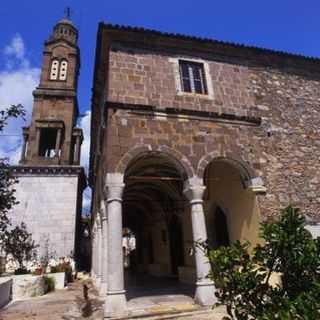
(49, 283)
(18, 242)
(243, 279)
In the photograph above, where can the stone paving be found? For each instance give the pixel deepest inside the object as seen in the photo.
(67, 304)
(80, 302)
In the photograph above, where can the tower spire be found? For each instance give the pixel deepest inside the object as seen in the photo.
(67, 13)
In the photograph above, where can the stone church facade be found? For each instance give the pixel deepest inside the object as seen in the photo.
(194, 139)
(51, 180)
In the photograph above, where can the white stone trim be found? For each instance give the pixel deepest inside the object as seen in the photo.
(256, 186)
(207, 74)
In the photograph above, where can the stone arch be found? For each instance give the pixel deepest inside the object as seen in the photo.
(180, 161)
(247, 173)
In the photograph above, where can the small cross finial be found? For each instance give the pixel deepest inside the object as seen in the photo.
(67, 12)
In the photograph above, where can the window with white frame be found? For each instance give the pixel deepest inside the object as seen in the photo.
(59, 70)
(192, 76)
(54, 69)
(63, 70)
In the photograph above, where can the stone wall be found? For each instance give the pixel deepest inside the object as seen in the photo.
(283, 149)
(152, 78)
(289, 153)
(27, 286)
(49, 206)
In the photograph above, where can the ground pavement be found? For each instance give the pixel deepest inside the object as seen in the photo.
(80, 301)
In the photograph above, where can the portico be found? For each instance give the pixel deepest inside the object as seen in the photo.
(165, 209)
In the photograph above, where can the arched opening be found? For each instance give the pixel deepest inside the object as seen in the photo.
(231, 208)
(154, 209)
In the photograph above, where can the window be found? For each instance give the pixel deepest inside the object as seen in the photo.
(63, 70)
(54, 69)
(192, 77)
(59, 70)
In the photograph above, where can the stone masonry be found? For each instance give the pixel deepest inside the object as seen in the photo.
(280, 90)
(194, 139)
(48, 206)
(51, 180)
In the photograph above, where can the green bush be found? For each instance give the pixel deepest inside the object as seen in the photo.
(49, 283)
(243, 279)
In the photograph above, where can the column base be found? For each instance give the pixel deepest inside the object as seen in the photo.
(98, 282)
(103, 289)
(116, 304)
(205, 293)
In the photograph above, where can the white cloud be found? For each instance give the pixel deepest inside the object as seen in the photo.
(15, 53)
(17, 81)
(84, 123)
(16, 47)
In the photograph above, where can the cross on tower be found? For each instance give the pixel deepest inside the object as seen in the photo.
(67, 12)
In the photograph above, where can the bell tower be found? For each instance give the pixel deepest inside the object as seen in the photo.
(52, 138)
(51, 180)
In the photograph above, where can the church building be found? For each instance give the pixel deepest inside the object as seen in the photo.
(192, 139)
(51, 180)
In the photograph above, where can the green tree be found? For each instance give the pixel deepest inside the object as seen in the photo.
(243, 281)
(7, 180)
(17, 240)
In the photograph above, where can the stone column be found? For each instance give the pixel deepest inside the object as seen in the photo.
(98, 250)
(77, 153)
(58, 142)
(205, 289)
(116, 304)
(104, 250)
(37, 150)
(94, 251)
(23, 150)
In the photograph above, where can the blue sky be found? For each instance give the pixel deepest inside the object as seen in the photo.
(287, 25)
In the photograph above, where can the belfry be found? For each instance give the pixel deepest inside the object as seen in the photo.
(51, 179)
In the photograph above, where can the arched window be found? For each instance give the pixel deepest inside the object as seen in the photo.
(63, 70)
(54, 69)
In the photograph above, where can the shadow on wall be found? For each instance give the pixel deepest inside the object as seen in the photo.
(228, 198)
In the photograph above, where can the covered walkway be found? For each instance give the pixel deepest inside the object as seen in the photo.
(75, 303)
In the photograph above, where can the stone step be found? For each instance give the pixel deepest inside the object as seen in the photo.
(203, 313)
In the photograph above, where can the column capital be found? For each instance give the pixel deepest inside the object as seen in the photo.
(114, 187)
(256, 185)
(194, 189)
